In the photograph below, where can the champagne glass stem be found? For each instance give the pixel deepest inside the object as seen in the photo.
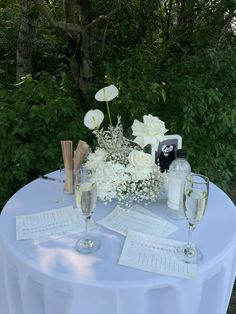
(189, 250)
(86, 224)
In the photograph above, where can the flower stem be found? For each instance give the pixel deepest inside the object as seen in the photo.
(108, 111)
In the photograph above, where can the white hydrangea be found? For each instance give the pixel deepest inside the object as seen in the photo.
(109, 176)
(95, 159)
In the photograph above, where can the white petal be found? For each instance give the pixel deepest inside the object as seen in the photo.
(93, 119)
(140, 141)
(107, 93)
(160, 137)
(138, 128)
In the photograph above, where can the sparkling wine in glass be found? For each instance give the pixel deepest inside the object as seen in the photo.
(86, 197)
(195, 202)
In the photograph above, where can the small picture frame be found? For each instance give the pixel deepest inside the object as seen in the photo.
(165, 153)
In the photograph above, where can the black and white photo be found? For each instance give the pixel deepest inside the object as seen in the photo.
(165, 153)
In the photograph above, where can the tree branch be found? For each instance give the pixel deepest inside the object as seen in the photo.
(231, 16)
(62, 26)
(103, 17)
(168, 23)
(69, 27)
(103, 39)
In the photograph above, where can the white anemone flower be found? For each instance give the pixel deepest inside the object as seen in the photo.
(93, 119)
(107, 93)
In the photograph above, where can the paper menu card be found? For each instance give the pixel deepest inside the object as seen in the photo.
(155, 254)
(48, 223)
(141, 220)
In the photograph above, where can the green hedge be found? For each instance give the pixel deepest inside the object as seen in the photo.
(35, 116)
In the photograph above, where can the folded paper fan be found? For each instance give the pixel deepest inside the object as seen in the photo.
(67, 149)
(80, 154)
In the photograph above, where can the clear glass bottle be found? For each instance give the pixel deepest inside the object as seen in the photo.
(178, 170)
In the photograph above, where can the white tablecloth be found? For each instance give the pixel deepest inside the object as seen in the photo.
(52, 278)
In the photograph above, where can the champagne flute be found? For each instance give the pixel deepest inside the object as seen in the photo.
(196, 193)
(86, 197)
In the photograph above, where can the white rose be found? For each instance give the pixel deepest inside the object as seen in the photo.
(140, 160)
(93, 119)
(140, 165)
(150, 131)
(107, 93)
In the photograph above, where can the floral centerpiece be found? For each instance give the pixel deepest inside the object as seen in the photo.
(122, 170)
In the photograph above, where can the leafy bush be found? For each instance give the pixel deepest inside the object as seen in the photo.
(8, 38)
(35, 116)
(141, 89)
(201, 102)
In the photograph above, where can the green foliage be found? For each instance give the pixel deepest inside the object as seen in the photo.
(201, 95)
(182, 70)
(48, 46)
(8, 38)
(35, 115)
(49, 50)
(192, 96)
(141, 88)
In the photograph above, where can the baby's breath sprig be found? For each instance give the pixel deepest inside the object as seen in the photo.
(114, 143)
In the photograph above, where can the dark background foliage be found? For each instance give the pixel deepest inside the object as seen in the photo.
(179, 65)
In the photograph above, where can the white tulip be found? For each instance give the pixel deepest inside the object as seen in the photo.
(107, 93)
(93, 119)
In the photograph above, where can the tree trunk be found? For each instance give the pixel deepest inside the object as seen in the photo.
(78, 27)
(79, 44)
(25, 40)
